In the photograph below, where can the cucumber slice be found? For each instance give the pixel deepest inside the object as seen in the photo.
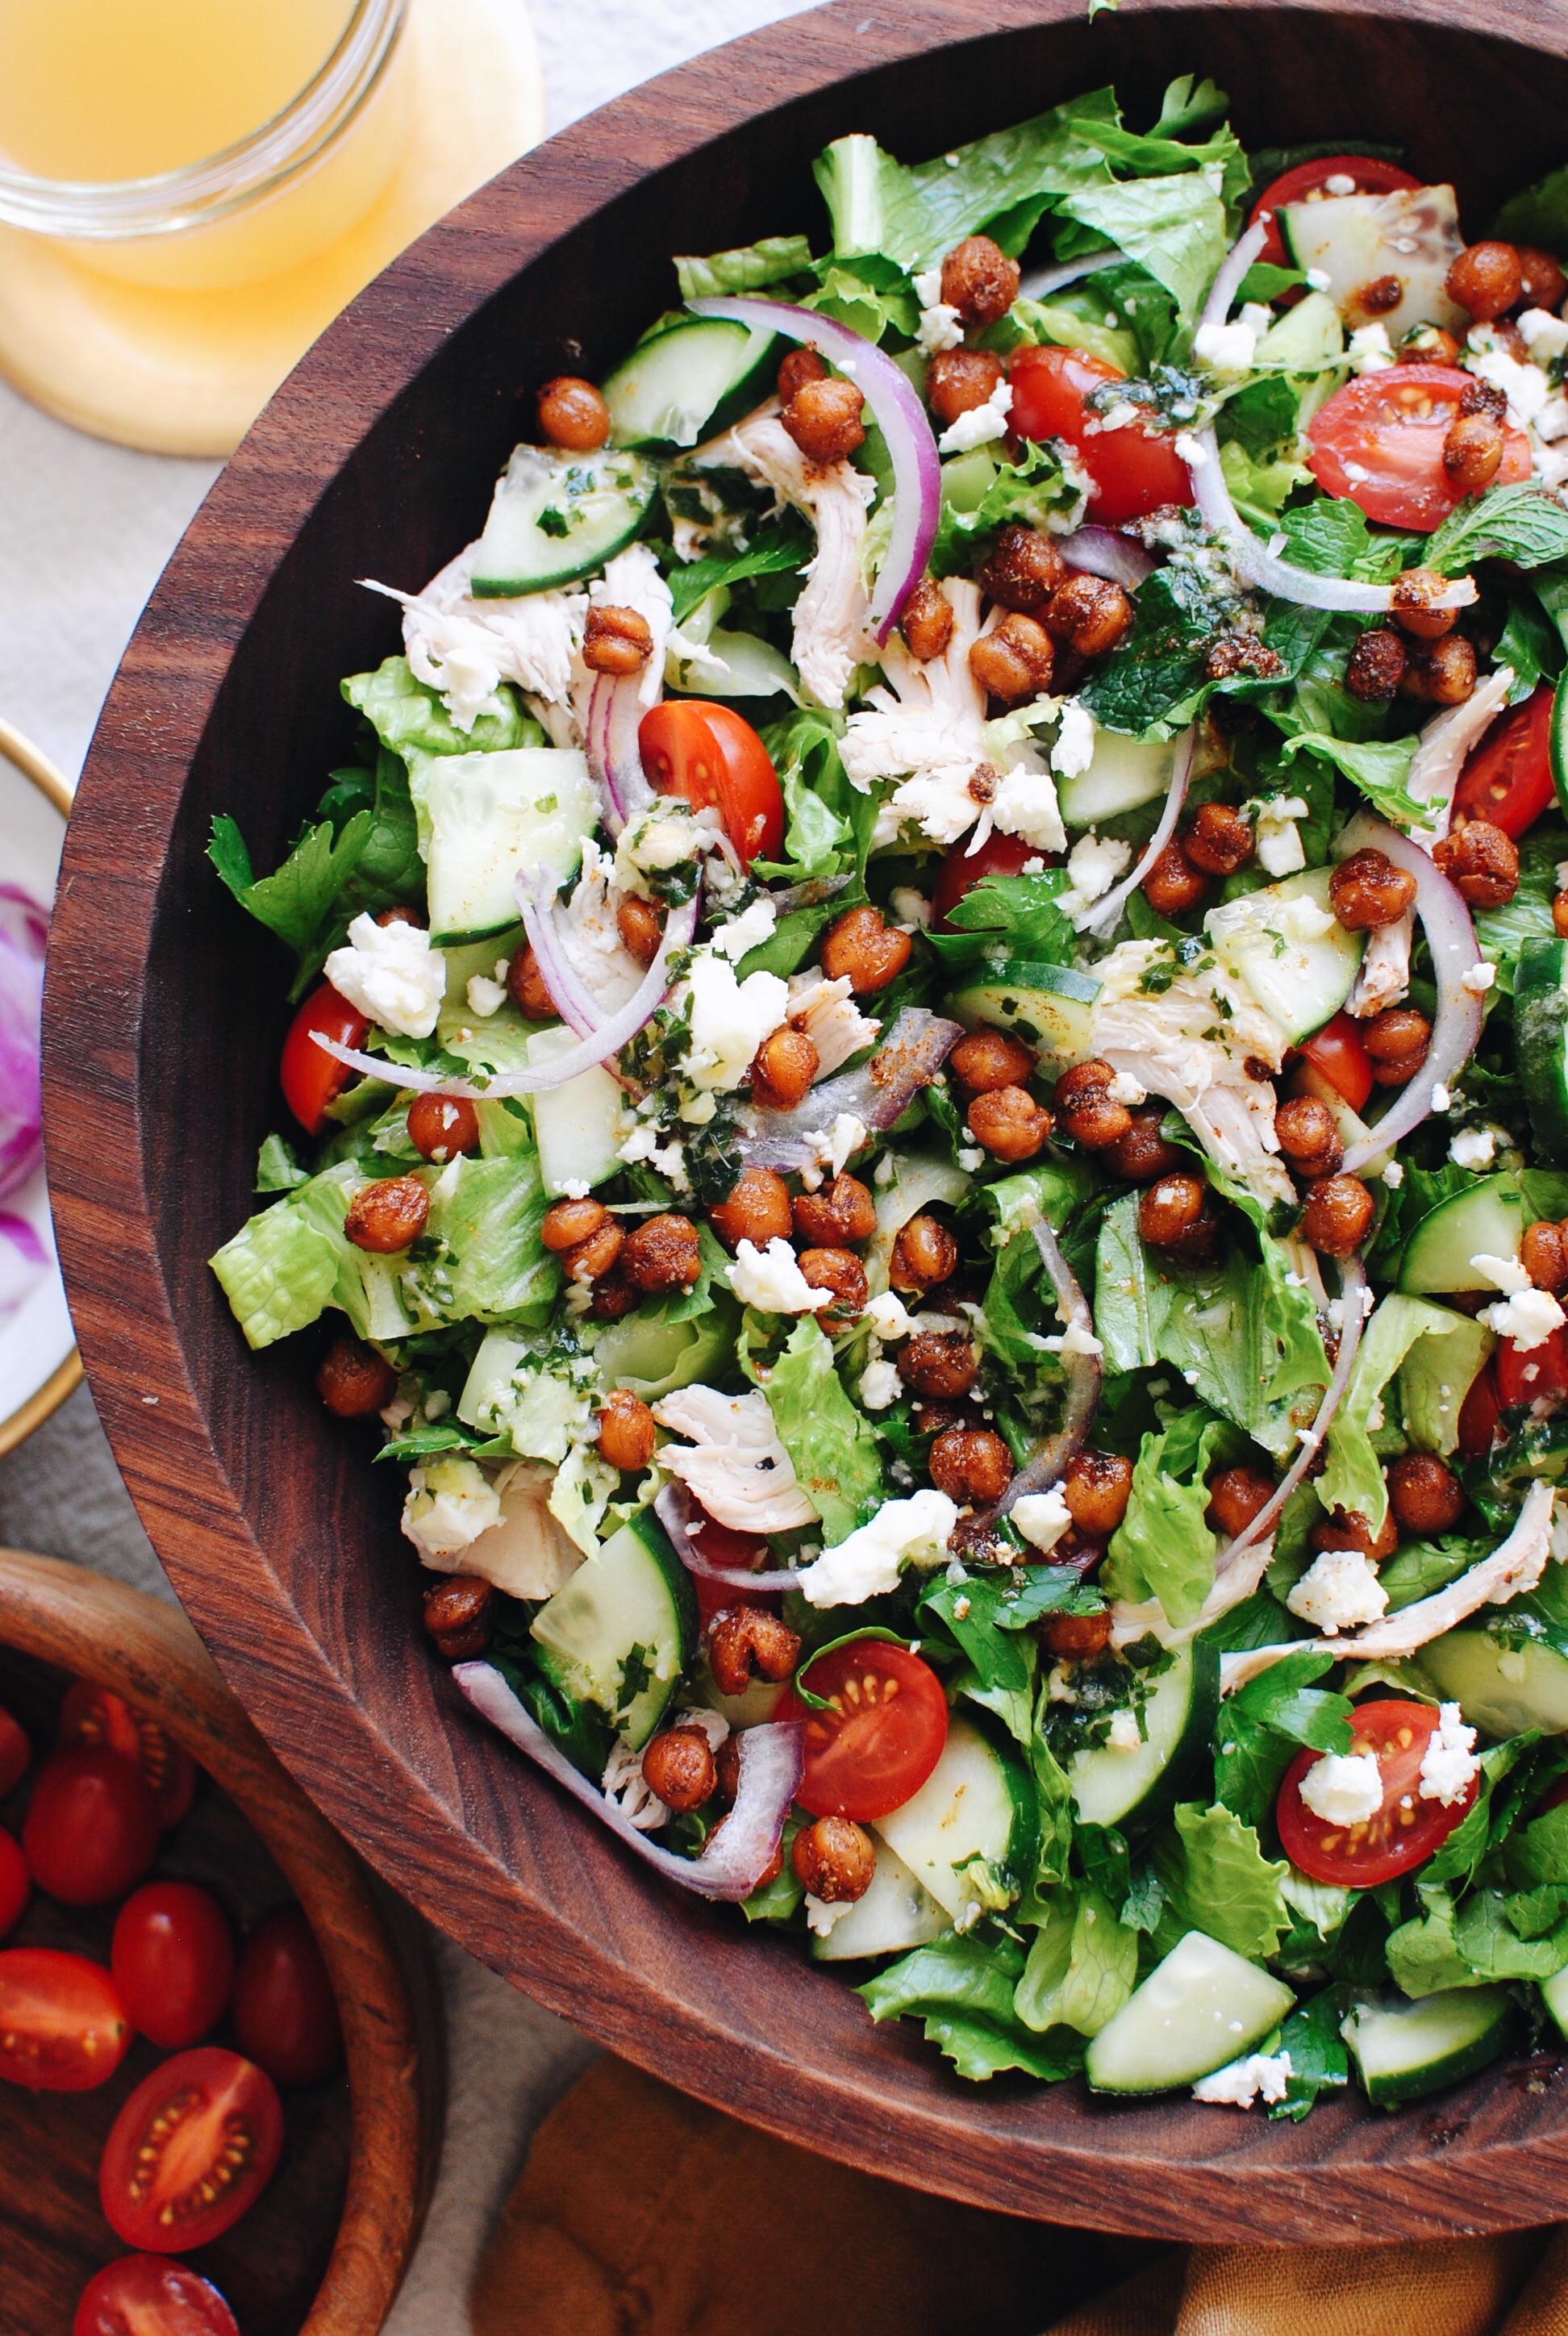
(755, 669)
(577, 1125)
(1301, 982)
(1488, 1220)
(688, 382)
(1541, 1027)
(1555, 1996)
(1502, 1690)
(1558, 746)
(970, 1833)
(1307, 335)
(482, 817)
(653, 1358)
(1124, 773)
(898, 1912)
(556, 517)
(1203, 2007)
(1134, 1789)
(1051, 1006)
(1358, 241)
(1403, 2051)
(622, 1631)
(1435, 1377)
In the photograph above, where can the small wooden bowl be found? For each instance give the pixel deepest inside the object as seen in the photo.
(165, 1012)
(82, 1624)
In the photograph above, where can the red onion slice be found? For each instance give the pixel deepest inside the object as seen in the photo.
(1101, 551)
(23, 937)
(1101, 917)
(615, 709)
(1047, 1464)
(536, 899)
(877, 1094)
(902, 421)
(1223, 291)
(1451, 937)
(672, 1507)
(1353, 1291)
(1046, 280)
(737, 1856)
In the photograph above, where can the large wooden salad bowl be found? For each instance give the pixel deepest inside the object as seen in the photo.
(165, 1011)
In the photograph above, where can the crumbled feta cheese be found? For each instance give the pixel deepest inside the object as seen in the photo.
(1191, 451)
(1280, 851)
(1441, 1098)
(1448, 1764)
(1125, 1733)
(910, 907)
(1393, 1176)
(1074, 750)
(928, 287)
(749, 931)
(821, 1913)
(1094, 863)
(450, 1502)
(1526, 1321)
(980, 424)
(485, 997)
(1228, 349)
(1525, 386)
(1474, 1148)
(889, 1316)
(1319, 279)
(940, 328)
(1242, 2082)
(1305, 920)
(1344, 1789)
(1544, 335)
(771, 1280)
(840, 1141)
(970, 1158)
(880, 1384)
(1024, 804)
(1478, 980)
(1125, 1088)
(663, 836)
(392, 973)
(1369, 349)
(1338, 1590)
(576, 1188)
(1074, 1340)
(1504, 1273)
(1042, 1517)
(729, 1018)
(866, 1564)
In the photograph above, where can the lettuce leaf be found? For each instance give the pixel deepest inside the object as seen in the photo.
(1503, 932)
(1217, 1880)
(747, 270)
(1173, 226)
(1352, 1478)
(962, 1988)
(1163, 1549)
(408, 715)
(279, 1272)
(1378, 766)
(494, 1267)
(832, 1444)
(1267, 1722)
(1320, 2062)
(981, 493)
(1082, 1967)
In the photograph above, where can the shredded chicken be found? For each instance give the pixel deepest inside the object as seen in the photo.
(466, 648)
(590, 937)
(1384, 974)
(830, 615)
(528, 1554)
(826, 1011)
(1446, 744)
(624, 1784)
(735, 1465)
(927, 729)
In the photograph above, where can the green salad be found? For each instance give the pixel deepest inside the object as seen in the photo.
(929, 1097)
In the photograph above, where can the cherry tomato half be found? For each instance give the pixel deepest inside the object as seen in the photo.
(284, 2012)
(91, 1716)
(13, 1882)
(1309, 179)
(173, 1962)
(1508, 778)
(1405, 1830)
(63, 2026)
(309, 1076)
(1480, 1415)
(1135, 470)
(194, 2145)
(1532, 1374)
(16, 1752)
(148, 2296)
(880, 1735)
(743, 1553)
(91, 1829)
(1379, 440)
(709, 754)
(998, 855)
(1340, 1052)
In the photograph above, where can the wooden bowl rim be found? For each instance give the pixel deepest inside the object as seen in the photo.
(880, 2106)
(144, 1651)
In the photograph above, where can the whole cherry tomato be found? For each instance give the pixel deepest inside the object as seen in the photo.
(998, 855)
(1368, 177)
(91, 1829)
(1481, 1414)
(14, 1881)
(1508, 778)
(284, 2012)
(91, 1716)
(173, 1962)
(1135, 470)
(63, 2026)
(1379, 440)
(16, 1752)
(1403, 1832)
(310, 1077)
(1339, 1053)
(148, 2296)
(194, 2145)
(1532, 1374)
(881, 1734)
(710, 755)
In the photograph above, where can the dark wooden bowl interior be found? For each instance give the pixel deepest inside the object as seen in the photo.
(165, 1008)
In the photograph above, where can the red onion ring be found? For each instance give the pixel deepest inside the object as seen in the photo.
(1232, 268)
(672, 1507)
(1451, 937)
(536, 899)
(1046, 281)
(737, 1856)
(1104, 913)
(877, 1094)
(614, 708)
(23, 937)
(901, 417)
(1353, 1291)
(1101, 551)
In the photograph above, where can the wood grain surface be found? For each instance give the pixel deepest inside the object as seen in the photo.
(165, 1008)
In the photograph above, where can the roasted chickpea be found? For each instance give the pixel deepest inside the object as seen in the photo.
(924, 1255)
(1244, 652)
(618, 641)
(594, 1254)
(572, 414)
(726, 1762)
(1097, 1487)
(1396, 1041)
(1086, 1109)
(1441, 674)
(927, 622)
(1486, 279)
(799, 366)
(353, 1380)
(1010, 1122)
(869, 952)
(640, 924)
(1559, 915)
(678, 1769)
(989, 1059)
(457, 1614)
(441, 1126)
(940, 1363)
(1481, 861)
(1479, 396)
(1090, 615)
(1219, 840)
(1367, 891)
(1376, 666)
(662, 1254)
(1543, 1253)
(526, 987)
(613, 1295)
(1428, 345)
(1236, 1495)
(402, 916)
(835, 1860)
(842, 1212)
(1541, 283)
(1337, 1215)
(1414, 594)
(1013, 661)
(1343, 1529)
(1424, 1497)
(1308, 1136)
(758, 1210)
(744, 1639)
(839, 1272)
(1174, 885)
(960, 380)
(824, 418)
(387, 1215)
(979, 281)
(1473, 452)
(1142, 1153)
(567, 1222)
(1078, 1637)
(626, 1433)
(1170, 1208)
(785, 1068)
(970, 1464)
(1024, 569)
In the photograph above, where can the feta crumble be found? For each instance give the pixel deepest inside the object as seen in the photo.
(1074, 750)
(1369, 349)
(1448, 1764)
(771, 1280)
(1242, 2082)
(1441, 1098)
(888, 1316)
(910, 907)
(1474, 1148)
(880, 1384)
(1094, 863)
(1280, 851)
(1527, 1320)
(1228, 349)
(1344, 1789)
(866, 1564)
(450, 1502)
(1478, 980)
(392, 973)
(1544, 335)
(1393, 1176)
(1505, 1273)
(1124, 1735)
(980, 424)
(1042, 1517)
(729, 1018)
(1338, 1590)
(485, 997)
(1125, 1088)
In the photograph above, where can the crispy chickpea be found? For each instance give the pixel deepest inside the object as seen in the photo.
(1170, 1208)
(1097, 1487)
(744, 1639)
(1473, 452)
(1481, 861)
(1172, 884)
(594, 1255)
(1559, 915)
(839, 1272)
(613, 1295)
(979, 281)
(1086, 1109)
(526, 987)
(1378, 297)
(572, 414)
(989, 1059)
(402, 916)
(1367, 891)
(640, 924)
(1396, 1041)
(1089, 615)
(1428, 345)
(940, 1363)
(1010, 1122)
(626, 1434)
(567, 1222)
(970, 1463)
(824, 418)
(441, 1126)
(726, 1762)
(1308, 1136)
(1236, 1495)
(387, 1215)
(1013, 661)
(1348, 1528)
(1443, 674)
(678, 1769)
(834, 1859)
(1479, 396)
(924, 1255)
(617, 641)
(842, 1212)
(960, 380)
(457, 1615)
(1541, 283)
(1142, 1153)
(1219, 841)
(1375, 665)
(758, 1210)
(863, 947)
(1425, 1496)
(1024, 569)
(785, 1068)
(1414, 593)
(1337, 1215)
(1543, 1253)
(927, 622)
(1244, 652)
(1078, 1637)
(353, 1380)
(662, 1254)
(1486, 279)
(799, 366)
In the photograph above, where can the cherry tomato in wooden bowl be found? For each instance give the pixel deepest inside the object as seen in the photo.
(709, 754)
(1481, 1414)
(91, 1831)
(16, 1752)
(881, 1734)
(91, 1715)
(14, 1881)
(1532, 1374)
(192, 2148)
(1379, 440)
(1403, 1832)
(310, 1077)
(1368, 177)
(173, 1962)
(1508, 778)
(998, 855)
(63, 2026)
(1135, 470)
(1338, 1053)
(284, 2012)
(148, 2296)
